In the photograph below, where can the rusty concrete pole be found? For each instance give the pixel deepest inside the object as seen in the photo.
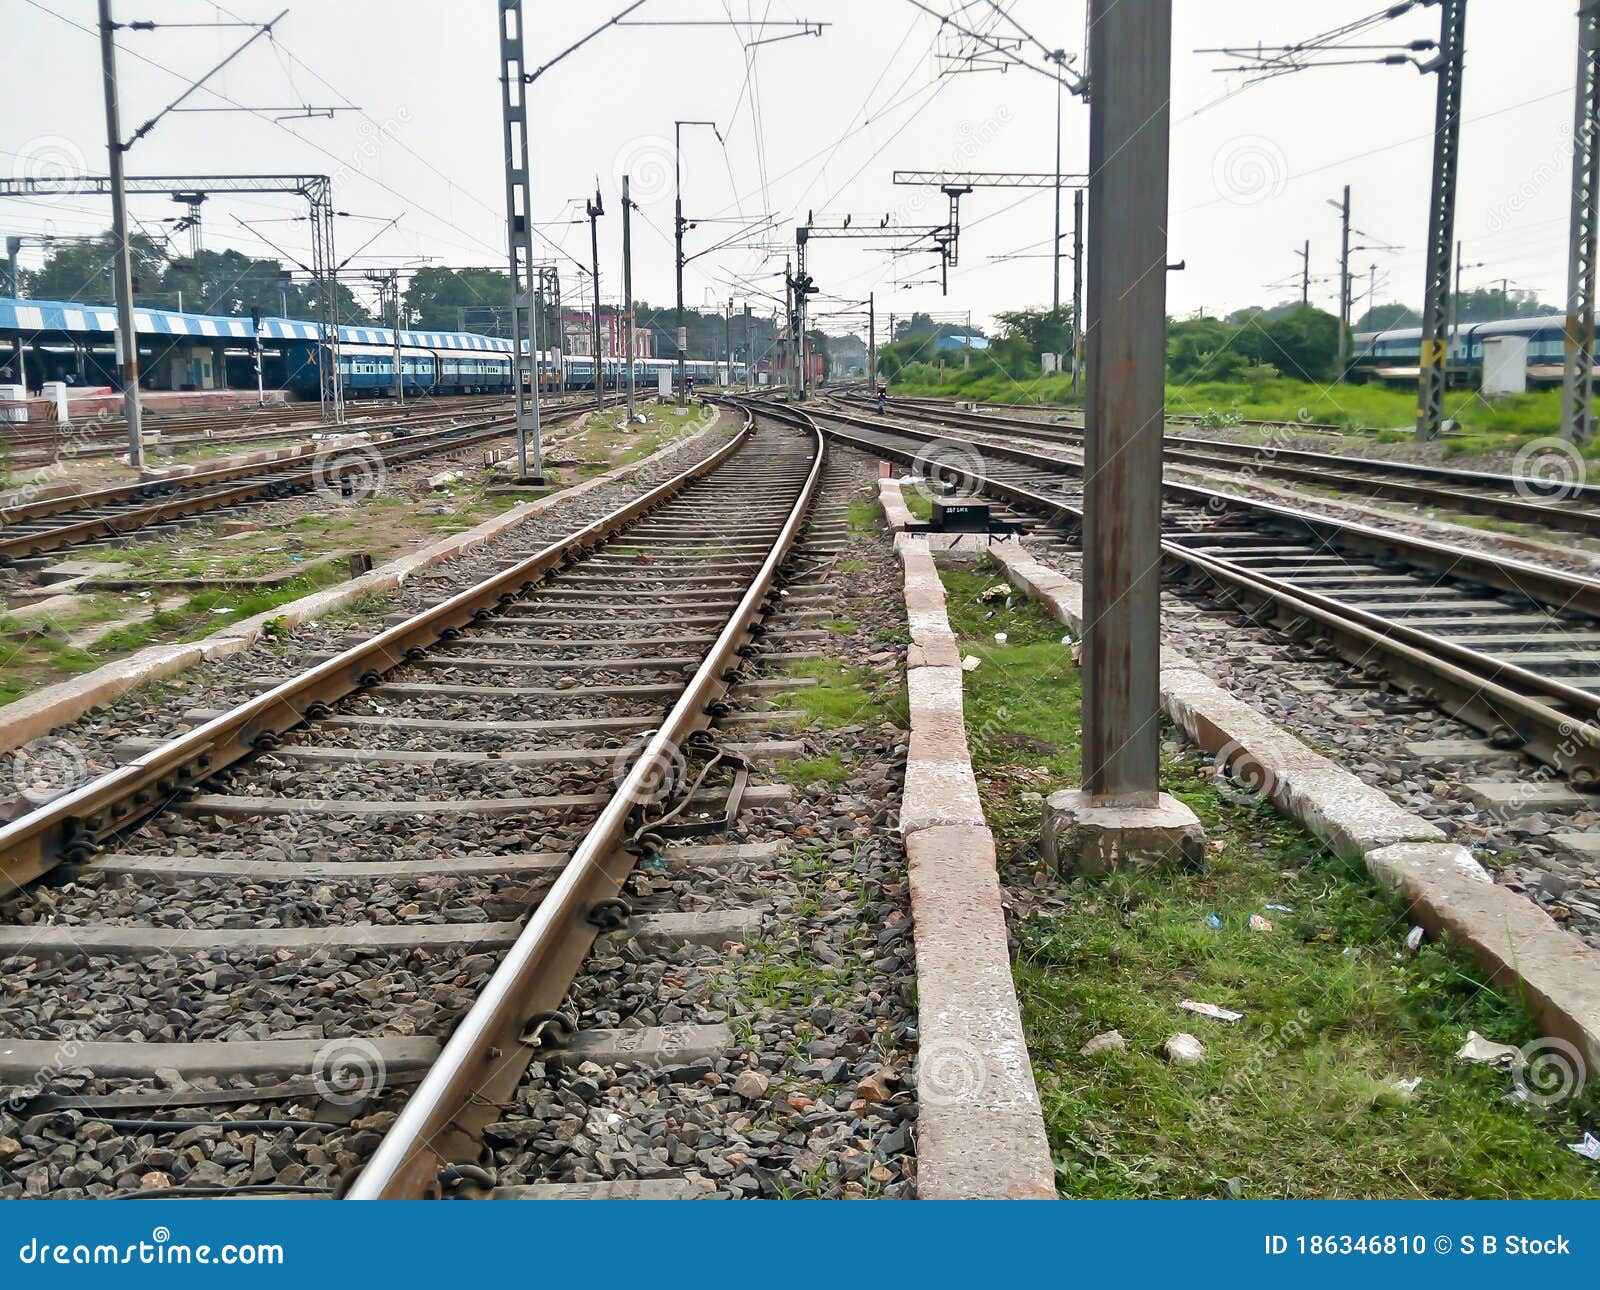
(1129, 125)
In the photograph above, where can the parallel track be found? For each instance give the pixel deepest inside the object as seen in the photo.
(1511, 648)
(1567, 505)
(28, 446)
(48, 524)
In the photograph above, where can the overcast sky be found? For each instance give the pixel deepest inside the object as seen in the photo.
(811, 125)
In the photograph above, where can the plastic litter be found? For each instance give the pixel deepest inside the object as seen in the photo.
(1282, 909)
(1413, 939)
(1211, 1010)
(1001, 638)
(1589, 1148)
(1066, 639)
(999, 591)
(970, 663)
(1486, 1051)
(1260, 924)
(1183, 1049)
(222, 609)
(1406, 1087)
(1213, 922)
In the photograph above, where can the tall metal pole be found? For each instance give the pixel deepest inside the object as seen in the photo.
(749, 353)
(677, 234)
(729, 382)
(1344, 287)
(519, 230)
(1130, 55)
(1447, 65)
(627, 290)
(595, 210)
(1077, 290)
(1305, 274)
(1455, 308)
(399, 360)
(1055, 251)
(790, 318)
(1577, 385)
(18, 349)
(122, 267)
(872, 340)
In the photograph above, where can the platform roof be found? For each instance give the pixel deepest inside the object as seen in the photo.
(30, 316)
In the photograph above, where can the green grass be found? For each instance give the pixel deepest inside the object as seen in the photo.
(830, 768)
(863, 517)
(844, 695)
(1296, 1100)
(31, 658)
(1390, 411)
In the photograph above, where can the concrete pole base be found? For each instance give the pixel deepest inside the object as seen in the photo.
(1080, 835)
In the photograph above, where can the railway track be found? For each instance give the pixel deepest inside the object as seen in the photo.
(400, 858)
(1563, 502)
(1511, 648)
(33, 529)
(1309, 427)
(31, 448)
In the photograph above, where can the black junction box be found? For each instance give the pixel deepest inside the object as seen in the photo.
(960, 516)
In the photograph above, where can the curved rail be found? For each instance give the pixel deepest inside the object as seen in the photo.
(484, 1051)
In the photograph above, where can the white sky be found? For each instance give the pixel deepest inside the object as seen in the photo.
(811, 124)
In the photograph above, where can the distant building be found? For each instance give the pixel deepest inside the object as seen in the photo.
(960, 341)
(847, 356)
(577, 330)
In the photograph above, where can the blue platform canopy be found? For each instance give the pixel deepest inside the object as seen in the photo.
(33, 316)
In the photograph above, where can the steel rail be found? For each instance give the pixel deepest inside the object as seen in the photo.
(1556, 723)
(484, 1056)
(11, 516)
(263, 479)
(1333, 470)
(85, 441)
(71, 825)
(1567, 591)
(1064, 409)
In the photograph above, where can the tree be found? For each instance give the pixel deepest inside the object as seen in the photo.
(1384, 317)
(1301, 343)
(82, 271)
(231, 284)
(435, 295)
(214, 282)
(1042, 331)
